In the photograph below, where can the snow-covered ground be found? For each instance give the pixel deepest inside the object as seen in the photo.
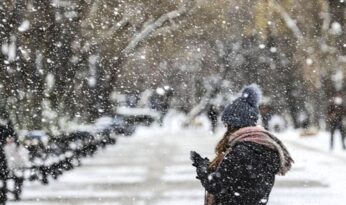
(318, 176)
(153, 168)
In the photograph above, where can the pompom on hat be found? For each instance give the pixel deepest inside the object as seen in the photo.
(243, 111)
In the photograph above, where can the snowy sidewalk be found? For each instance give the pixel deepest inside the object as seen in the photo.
(153, 168)
(318, 176)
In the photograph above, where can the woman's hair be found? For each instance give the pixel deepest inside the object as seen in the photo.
(221, 147)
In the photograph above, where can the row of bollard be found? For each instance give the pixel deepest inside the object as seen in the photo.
(47, 161)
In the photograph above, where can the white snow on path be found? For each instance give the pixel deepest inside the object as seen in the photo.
(322, 171)
(153, 168)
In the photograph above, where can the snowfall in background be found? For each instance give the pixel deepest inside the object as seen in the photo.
(68, 60)
(153, 168)
(66, 65)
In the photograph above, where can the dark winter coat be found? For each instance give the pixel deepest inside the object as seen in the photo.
(246, 174)
(335, 113)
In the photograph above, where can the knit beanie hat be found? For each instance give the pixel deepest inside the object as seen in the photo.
(243, 111)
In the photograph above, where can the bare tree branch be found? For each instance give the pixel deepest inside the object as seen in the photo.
(326, 16)
(117, 26)
(152, 27)
(290, 22)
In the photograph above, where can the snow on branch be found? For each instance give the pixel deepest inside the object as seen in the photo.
(211, 90)
(290, 22)
(167, 29)
(117, 26)
(152, 27)
(326, 17)
(200, 107)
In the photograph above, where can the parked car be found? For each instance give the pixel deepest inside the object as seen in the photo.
(139, 116)
(104, 126)
(122, 126)
(118, 125)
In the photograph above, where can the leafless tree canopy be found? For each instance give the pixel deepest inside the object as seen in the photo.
(63, 59)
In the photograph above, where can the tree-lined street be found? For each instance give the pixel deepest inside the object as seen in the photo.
(153, 168)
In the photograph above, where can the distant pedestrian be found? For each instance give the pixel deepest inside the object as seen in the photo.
(132, 99)
(335, 114)
(160, 101)
(247, 157)
(213, 114)
(266, 111)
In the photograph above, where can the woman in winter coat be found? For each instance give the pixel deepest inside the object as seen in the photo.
(247, 157)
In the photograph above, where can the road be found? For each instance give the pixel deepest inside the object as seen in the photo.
(153, 168)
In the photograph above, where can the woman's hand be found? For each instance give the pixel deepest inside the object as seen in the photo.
(196, 158)
(200, 163)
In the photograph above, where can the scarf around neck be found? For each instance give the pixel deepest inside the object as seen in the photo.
(261, 136)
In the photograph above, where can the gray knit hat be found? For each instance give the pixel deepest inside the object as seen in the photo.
(243, 111)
